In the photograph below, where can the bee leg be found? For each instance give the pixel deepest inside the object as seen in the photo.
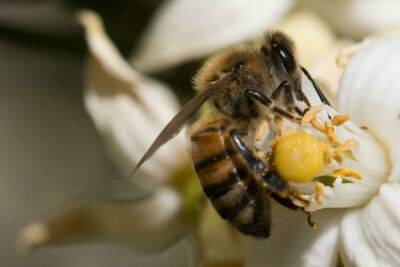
(299, 111)
(286, 202)
(284, 88)
(278, 187)
(253, 162)
(275, 94)
(270, 179)
(269, 103)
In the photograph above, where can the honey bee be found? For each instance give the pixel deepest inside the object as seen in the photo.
(245, 85)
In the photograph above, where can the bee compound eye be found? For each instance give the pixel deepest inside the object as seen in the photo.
(286, 57)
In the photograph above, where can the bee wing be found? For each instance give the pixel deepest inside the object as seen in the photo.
(177, 122)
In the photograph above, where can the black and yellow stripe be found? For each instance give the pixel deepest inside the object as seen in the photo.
(226, 180)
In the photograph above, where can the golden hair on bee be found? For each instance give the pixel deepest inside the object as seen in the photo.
(222, 62)
(231, 100)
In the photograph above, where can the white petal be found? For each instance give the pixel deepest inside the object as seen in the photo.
(371, 162)
(357, 18)
(293, 243)
(370, 236)
(218, 241)
(148, 224)
(369, 93)
(128, 109)
(187, 29)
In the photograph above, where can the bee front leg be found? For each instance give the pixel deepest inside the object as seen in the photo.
(286, 202)
(256, 163)
(270, 104)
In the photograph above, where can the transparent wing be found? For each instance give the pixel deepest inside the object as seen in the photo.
(188, 110)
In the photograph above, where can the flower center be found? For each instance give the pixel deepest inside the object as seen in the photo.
(298, 157)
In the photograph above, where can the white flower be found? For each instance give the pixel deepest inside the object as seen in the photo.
(366, 232)
(357, 18)
(128, 110)
(189, 29)
(148, 224)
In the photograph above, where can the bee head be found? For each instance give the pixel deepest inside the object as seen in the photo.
(278, 49)
(249, 67)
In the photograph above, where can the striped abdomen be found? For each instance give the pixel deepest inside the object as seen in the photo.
(227, 181)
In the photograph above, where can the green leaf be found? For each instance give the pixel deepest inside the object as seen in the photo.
(326, 180)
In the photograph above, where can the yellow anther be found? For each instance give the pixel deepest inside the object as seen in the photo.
(330, 134)
(349, 144)
(327, 152)
(337, 157)
(310, 115)
(319, 192)
(318, 126)
(340, 119)
(346, 173)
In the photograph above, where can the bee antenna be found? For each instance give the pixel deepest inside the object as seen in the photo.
(321, 95)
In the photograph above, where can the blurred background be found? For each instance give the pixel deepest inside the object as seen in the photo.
(50, 149)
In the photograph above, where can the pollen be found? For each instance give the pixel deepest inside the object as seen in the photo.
(346, 173)
(330, 133)
(346, 146)
(298, 157)
(340, 119)
(318, 126)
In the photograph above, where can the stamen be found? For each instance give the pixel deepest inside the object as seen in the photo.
(327, 153)
(330, 149)
(330, 134)
(346, 172)
(310, 115)
(318, 126)
(340, 119)
(337, 157)
(319, 192)
(349, 144)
